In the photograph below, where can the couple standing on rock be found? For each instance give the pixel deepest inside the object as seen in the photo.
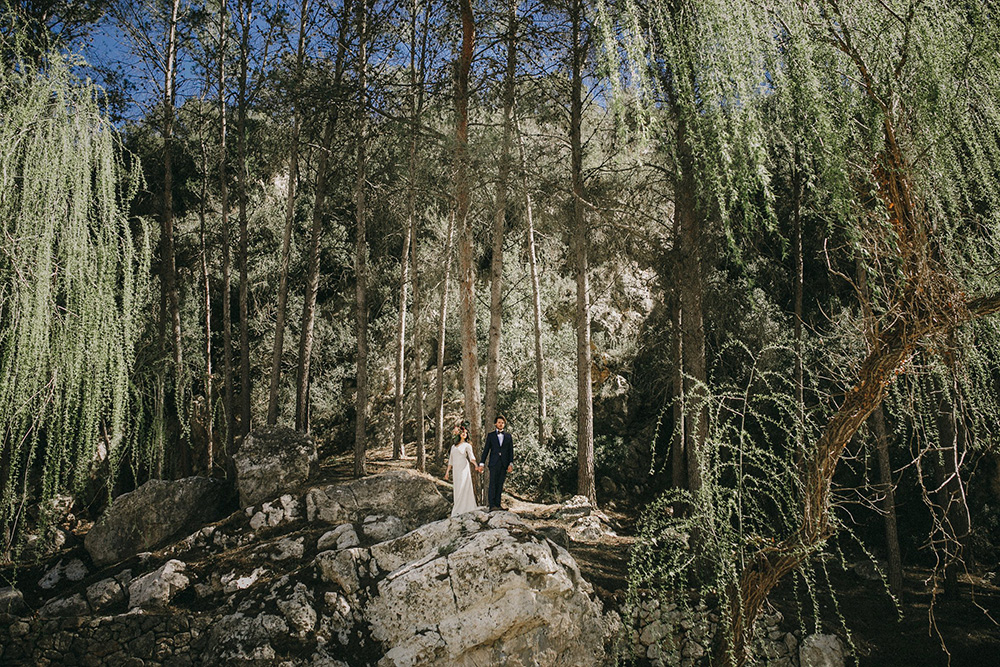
(499, 449)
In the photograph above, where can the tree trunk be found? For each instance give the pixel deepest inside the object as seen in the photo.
(500, 219)
(312, 270)
(246, 384)
(207, 307)
(877, 422)
(888, 488)
(691, 292)
(584, 387)
(678, 439)
(227, 260)
(536, 296)
(404, 278)
(293, 177)
(417, 103)
(361, 252)
(466, 253)
(442, 320)
(168, 264)
(953, 511)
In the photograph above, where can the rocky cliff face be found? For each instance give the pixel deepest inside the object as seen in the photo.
(370, 572)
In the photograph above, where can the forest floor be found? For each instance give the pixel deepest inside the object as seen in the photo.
(963, 632)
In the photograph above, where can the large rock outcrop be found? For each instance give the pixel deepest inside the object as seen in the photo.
(275, 584)
(475, 589)
(411, 498)
(153, 514)
(273, 460)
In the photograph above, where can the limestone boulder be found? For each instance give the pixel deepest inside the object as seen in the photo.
(11, 601)
(461, 591)
(271, 461)
(158, 587)
(821, 651)
(153, 514)
(411, 497)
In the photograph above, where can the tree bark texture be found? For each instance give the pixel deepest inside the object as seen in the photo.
(312, 270)
(246, 382)
(584, 386)
(952, 509)
(286, 237)
(466, 249)
(398, 450)
(888, 489)
(536, 295)
(168, 263)
(227, 244)
(691, 289)
(361, 251)
(500, 219)
(207, 309)
(417, 69)
(442, 321)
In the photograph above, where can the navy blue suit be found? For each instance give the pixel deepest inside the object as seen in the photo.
(497, 455)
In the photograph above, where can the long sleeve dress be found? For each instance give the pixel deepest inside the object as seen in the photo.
(465, 497)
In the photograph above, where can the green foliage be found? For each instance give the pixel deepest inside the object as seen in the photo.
(73, 284)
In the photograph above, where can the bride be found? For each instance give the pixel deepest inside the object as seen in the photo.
(461, 459)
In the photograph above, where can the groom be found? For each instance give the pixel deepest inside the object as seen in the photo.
(499, 448)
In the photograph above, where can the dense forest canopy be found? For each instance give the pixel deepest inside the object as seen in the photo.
(734, 262)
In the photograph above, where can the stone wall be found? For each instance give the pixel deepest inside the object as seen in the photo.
(669, 635)
(171, 640)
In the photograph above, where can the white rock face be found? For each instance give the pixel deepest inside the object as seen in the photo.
(108, 592)
(411, 497)
(575, 507)
(159, 586)
(341, 537)
(821, 651)
(271, 461)
(460, 592)
(74, 605)
(382, 528)
(157, 510)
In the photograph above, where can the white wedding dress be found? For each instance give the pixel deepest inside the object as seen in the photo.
(465, 497)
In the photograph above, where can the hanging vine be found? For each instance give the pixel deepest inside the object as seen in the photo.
(73, 282)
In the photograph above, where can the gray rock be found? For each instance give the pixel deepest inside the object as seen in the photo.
(74, 605)
(108, 593)
(821, 651)
(289, 548)
(382, 528)
(557, 534)
(341, 568)
(271, 461)
(586, 529)
(341, 537)
(154, 513)
(51, 578)
(576, 506)
(75, 570)
(239, 638)
(11, 601)
(158, 587)
(438, 608)
(298, 610)
(410, 496)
